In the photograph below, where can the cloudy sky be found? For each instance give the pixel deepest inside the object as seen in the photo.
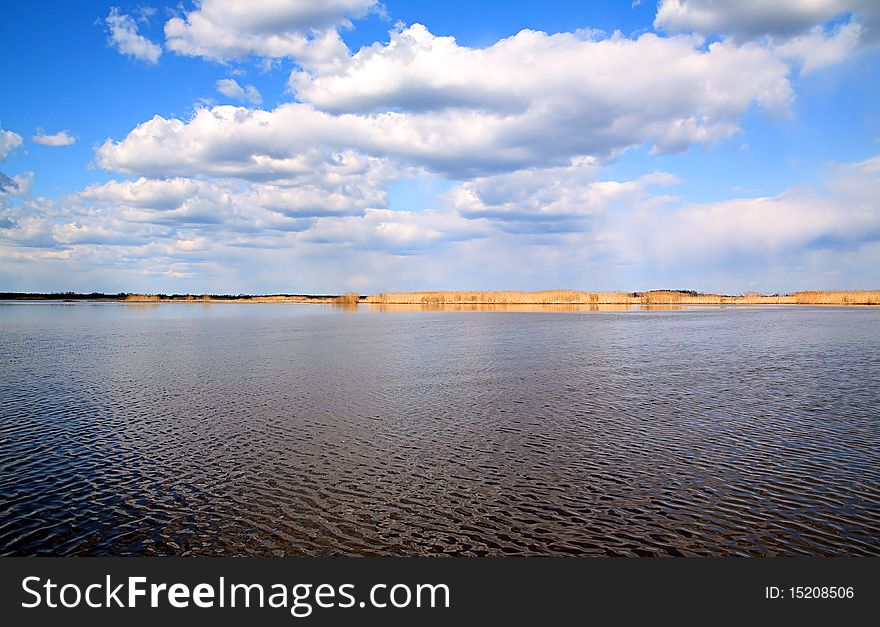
(329, 145)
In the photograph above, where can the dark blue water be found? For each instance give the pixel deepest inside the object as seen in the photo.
(180, 429)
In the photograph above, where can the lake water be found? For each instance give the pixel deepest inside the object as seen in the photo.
(307, 429)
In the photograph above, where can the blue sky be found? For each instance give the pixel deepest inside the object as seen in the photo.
(327, 146)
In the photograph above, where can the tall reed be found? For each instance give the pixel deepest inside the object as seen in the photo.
(349, 298)
(653, 297)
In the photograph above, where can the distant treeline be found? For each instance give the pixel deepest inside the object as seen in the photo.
(157, 298)
(60, 296)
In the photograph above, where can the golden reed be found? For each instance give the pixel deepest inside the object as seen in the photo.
(655, 297)
(544, 297)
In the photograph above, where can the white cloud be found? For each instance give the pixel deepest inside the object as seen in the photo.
(819, 48)
(747, 227)
(125, 38)
(417, 71)
(754, 18)
(553, 199)
(291, 143)
(61, 138)
(221, 200)
(530, 100)
(524, 126)
(233, 29)
(7, 186)
(23, 183)
(9, 141)
(230, 87)
(530, 229)
(815, 33)
(145, 13)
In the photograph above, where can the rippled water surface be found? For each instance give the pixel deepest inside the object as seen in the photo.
(305, 429)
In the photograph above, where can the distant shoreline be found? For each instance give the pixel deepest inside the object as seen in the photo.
(172, 298)
(545, 297)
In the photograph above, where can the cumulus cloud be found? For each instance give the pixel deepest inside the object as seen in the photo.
(397, 232)
(754, 18)
(61, 138)
(9, 141)
(819, 47)
(292, 143)
(7, 184)
(418, 71)
(222, 30)
(124, 36)
(553, 199)
(21, 183)
(562, 225)
(520, 129)
(230, 87)
(625, 229)
(183, 199)
(630, 223)
(815, 33)
(530, 100)
(796, 220)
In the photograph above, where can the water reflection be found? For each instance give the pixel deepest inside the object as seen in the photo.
(535, 308)
(142, 305)
(347, 307)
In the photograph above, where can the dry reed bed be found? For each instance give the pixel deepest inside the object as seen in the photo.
(656, 297)
(544, 297)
